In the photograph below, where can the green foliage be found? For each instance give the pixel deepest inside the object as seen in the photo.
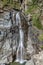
(16, 5)
(36, 22)
(35, 16)
(31, 9)
(5, 2)
(34, 1)
(10, 3)
(41, 47)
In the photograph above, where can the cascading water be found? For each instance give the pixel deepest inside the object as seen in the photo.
(20, 49)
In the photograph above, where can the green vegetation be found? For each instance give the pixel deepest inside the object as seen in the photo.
(40, 37)
(31, 9)
(41, 47)
(36, 21)
(10, 3)
(34, 10)
(34, 1)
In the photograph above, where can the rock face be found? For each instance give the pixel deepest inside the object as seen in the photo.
(10, 39)
(30, 48)
(38, 58)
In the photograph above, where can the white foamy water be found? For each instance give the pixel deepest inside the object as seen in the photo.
(21, 49)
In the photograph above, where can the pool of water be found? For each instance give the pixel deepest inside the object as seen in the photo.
(14, 63)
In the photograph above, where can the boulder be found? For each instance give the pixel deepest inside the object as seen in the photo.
(38, 58)
(30, 62)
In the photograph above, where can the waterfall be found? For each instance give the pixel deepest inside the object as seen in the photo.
(20, 50)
